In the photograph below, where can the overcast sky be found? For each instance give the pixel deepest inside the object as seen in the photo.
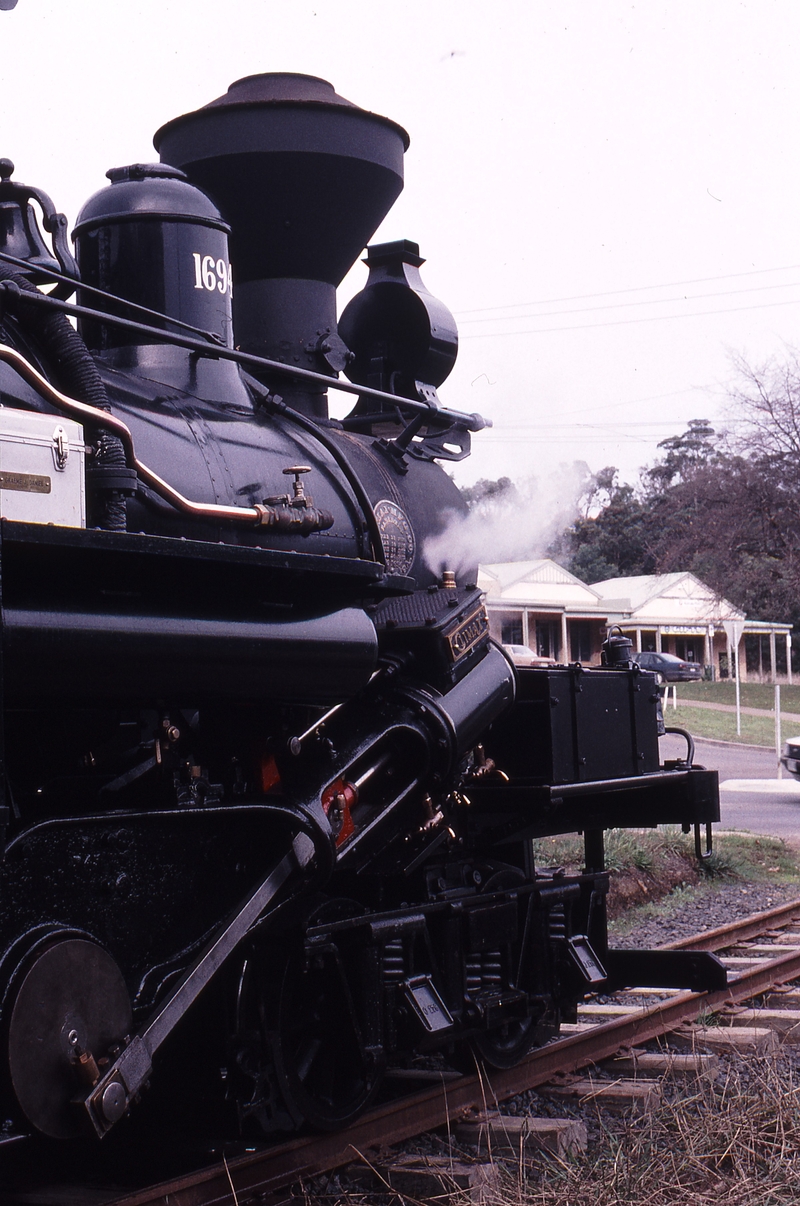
(606, 193)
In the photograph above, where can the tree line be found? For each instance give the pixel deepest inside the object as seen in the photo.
(722, 504)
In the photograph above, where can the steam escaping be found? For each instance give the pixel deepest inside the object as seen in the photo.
(517, 523)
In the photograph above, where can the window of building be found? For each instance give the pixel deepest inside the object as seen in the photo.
(752, 653)
(548, 638)
(689, 648)
(648, 641)
(580, 634)
(511, 631)
(727, 668)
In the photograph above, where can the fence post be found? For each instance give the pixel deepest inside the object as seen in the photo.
(778, 728)
(738, 696)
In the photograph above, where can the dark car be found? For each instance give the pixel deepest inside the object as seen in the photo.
(671, 668)
(790, 756)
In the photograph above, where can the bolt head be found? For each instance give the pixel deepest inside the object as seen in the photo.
(113, 1101)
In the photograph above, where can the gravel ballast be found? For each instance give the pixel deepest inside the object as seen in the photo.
(706, 909)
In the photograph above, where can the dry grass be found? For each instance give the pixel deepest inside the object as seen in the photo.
(734, 1141)
(731, 1141)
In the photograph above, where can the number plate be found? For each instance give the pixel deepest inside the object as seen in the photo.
(427, 1004)
(468, 634)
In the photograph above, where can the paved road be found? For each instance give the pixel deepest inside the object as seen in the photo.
(752, 796)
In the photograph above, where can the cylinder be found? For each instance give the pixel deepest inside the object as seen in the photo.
(186, 660)
(152, 238)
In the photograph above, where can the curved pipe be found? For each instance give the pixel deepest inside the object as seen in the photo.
(689, 739)
(259, 514)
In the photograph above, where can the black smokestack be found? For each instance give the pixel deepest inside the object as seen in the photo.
(304, 177)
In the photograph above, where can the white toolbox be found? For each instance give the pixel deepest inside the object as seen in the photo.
(41, 469)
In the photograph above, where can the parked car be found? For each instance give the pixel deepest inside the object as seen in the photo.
(671, 668)
(521, 655)
(790, 756)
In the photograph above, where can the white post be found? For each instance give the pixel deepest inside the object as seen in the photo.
(565, 651)
(729, 645)
(525, 627)
(674, 697)
(772, 666)
(738, 700)
(778, 727)
(789, 658)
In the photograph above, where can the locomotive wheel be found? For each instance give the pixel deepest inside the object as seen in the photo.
(71, 997)
(501, 1048)
(506, 1045)
(322, 1069)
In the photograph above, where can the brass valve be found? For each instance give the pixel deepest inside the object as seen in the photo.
(294, 512)
(297, 470)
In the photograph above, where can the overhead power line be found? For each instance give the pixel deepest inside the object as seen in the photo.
(623, 322)
(584, 437)
(613, 426)
(651, 301)
(595, 409)
(700, 280)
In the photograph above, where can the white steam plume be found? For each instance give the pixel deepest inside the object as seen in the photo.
(515, 525)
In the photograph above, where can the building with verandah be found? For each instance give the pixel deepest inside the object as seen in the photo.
(542, 605)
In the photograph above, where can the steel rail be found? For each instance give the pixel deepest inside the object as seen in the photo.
(737, 931)
(267, 1171)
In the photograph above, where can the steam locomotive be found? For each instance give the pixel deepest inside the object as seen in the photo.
(269, 789)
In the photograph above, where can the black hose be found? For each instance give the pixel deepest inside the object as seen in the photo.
(67, 354)
(77, 375)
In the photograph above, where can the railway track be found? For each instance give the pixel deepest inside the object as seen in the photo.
(762, 952)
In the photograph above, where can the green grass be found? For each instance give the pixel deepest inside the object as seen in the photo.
(655, 871)
(753, 695)
(702, 722)
(755, 858)
(737, 856)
